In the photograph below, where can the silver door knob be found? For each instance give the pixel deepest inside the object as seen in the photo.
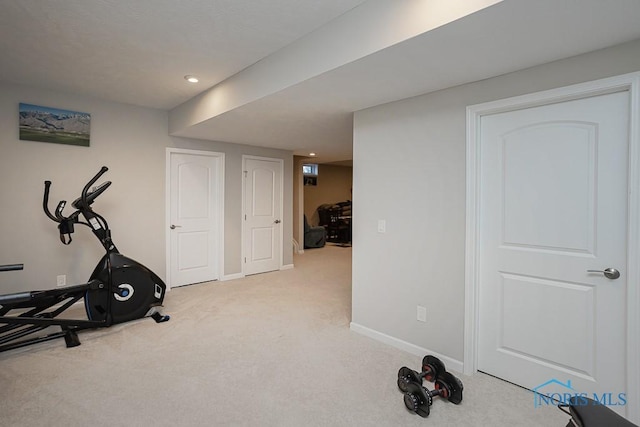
(277, 221)
(609, 273)
(173, 227)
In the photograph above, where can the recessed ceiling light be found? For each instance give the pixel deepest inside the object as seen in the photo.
(312, 154)
(191, 79)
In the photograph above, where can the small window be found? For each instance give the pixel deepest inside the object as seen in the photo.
(310, 169)
(310, 173)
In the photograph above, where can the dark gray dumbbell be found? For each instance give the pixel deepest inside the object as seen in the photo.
(419, 400)
(432, 367)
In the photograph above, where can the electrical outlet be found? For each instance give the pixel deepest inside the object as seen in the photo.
(62, 280)
(382, 226)
(422, 314)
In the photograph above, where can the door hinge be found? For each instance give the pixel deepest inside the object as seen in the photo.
(245, 260)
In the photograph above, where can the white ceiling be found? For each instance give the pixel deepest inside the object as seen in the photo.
(138, 51)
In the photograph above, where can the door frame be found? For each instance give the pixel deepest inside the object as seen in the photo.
(280, 184)
(220, 206)
(627, 82)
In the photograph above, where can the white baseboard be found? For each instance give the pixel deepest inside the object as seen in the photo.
(297, 249)
(241, 275)
(231, 277)
(451, 363)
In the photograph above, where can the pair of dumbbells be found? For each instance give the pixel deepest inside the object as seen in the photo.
(419, 399)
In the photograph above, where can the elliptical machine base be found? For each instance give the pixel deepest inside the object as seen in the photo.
(136, 290)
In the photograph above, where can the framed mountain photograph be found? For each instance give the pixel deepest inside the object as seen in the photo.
(46, 124)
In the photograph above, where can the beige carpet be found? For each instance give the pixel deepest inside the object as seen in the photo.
(269, 350)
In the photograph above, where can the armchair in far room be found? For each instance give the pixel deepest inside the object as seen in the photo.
(314, 237)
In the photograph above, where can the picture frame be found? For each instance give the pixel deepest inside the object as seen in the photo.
(54, 125)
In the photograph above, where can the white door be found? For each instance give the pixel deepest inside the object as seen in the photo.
(553, 205)
(262, 215)
(195, 217)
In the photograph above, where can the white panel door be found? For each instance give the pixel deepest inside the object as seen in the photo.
(262, 215)
(195, 201)
(553, 205)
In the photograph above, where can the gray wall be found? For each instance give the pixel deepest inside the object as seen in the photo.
(132, 142)
(409, 169)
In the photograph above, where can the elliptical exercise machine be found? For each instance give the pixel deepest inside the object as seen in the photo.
(119, 289)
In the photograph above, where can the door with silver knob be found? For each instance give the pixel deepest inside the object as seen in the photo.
(195, 193)
(263, 208)
(553, 193)
(609, 273)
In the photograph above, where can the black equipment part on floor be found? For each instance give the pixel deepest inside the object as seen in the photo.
(587, 412)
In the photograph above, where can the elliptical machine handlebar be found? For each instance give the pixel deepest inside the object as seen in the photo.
(84, 201)
(45, 202)
(65, 224)
(83, 205)
(85, 191)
